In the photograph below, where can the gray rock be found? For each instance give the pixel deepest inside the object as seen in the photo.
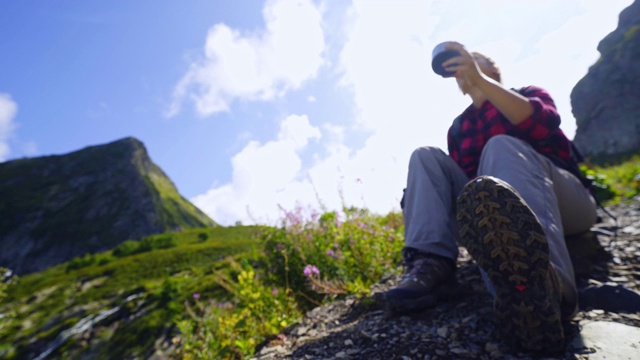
(605, 102)
(443, 331)
(631, 230)
(342, 355)
(609, 340)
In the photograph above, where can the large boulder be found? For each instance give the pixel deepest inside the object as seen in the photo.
(606, 102)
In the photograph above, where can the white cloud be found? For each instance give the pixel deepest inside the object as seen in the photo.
(297, 130)
(562, 57)
(264, 176)
(255, 66)
(8, 110)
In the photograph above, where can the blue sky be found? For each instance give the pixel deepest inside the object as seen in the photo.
(251, 105)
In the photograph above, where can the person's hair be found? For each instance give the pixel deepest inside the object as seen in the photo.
(494, 71)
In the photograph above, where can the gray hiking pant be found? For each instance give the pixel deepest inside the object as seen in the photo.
(558, 198)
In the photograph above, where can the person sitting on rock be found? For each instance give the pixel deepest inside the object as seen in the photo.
(509, 191)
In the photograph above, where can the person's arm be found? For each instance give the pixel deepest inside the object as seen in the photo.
(515, 107)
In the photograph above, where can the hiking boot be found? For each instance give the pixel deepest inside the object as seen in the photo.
(427, 278)
(506, 240)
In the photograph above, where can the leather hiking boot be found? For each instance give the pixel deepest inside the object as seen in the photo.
(506, 240)
(426, 279)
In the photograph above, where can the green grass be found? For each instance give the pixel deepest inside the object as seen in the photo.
(176, 211)
(68, 294)
(299, 265)
(141, 334)
(623, 178)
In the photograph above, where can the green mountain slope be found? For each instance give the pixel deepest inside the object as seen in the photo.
(55, 208)
(126, 298)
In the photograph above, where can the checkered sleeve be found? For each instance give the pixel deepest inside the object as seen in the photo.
(545, 118)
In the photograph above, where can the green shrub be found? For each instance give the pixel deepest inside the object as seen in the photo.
(344, 256)
(603, 190)
(163, 242)
(231, 330)
(169, 291)
(80, 262)
(127, 248)
(616, 182)
(202, 237)
(167, 295)
(298, 265)
(105, 260)
(147, 243)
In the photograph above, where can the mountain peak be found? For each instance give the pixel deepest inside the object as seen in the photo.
(58, 207)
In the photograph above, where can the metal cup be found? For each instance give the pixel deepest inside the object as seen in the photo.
(440, 55)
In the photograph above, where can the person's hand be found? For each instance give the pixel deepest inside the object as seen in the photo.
(464, 66)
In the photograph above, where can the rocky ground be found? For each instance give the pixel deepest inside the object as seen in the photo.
(464, 327)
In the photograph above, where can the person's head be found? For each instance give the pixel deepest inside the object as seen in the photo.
(487, 66)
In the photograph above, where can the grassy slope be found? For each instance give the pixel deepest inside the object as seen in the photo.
(624, 178)
(177, 212)
(65, 296)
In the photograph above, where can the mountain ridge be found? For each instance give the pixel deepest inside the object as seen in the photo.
(61, 206)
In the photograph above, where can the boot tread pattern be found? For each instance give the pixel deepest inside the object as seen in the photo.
(506, 240)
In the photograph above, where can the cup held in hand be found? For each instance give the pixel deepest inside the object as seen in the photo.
(440, 55)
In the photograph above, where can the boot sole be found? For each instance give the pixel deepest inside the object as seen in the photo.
(507, 241)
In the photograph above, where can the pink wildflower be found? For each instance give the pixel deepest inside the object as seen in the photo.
(196, 296)
(309, 270)
(314, 215)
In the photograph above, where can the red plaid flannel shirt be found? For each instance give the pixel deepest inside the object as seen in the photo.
(476, 126)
